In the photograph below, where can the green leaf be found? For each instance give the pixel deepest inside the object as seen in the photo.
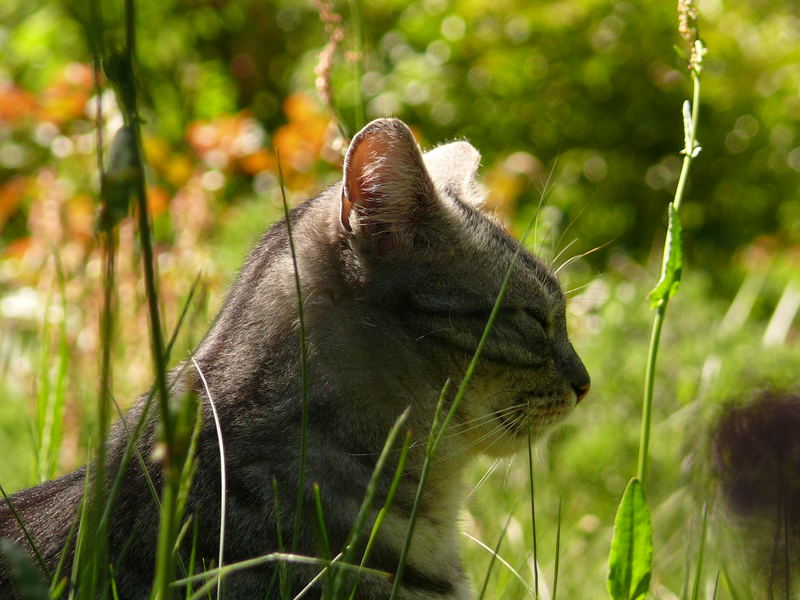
(27, 579)
(673, 262)
(629, 562)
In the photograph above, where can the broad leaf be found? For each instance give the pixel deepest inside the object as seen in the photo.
(629, 562)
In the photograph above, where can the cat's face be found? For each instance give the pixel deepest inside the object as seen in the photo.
(427, 265)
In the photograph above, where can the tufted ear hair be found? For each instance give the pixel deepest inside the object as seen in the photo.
(455, 163)
(386, 185)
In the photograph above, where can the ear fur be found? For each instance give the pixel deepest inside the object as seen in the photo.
(455, 163)
(385, 185)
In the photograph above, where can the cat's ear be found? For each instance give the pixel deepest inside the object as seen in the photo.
(453, 167)
(386, 185)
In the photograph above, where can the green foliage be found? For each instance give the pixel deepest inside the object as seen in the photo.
(51, 394)
(629, 562)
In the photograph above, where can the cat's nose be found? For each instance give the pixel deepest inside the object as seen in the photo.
(581, 391)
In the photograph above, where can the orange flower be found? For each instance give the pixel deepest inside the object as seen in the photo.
(300, 141)
(260, 160)
(66, 97)
(157, 200)
(15, 103)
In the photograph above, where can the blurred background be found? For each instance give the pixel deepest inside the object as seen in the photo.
(583, 94)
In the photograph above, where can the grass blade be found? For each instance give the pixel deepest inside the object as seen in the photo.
(56, 586)
(533, 518)
(698, 575)
(323, 528)
(485, 585)
(317, 577)
(25, 532)
(303, 363)
(260, 560)
(372, 487)
(729, 583)
(384, 509)
(558, 552)
(283, 575)
(418, 497)
(358, 29)
(503, 562)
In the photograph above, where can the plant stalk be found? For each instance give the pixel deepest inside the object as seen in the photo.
(661, 309)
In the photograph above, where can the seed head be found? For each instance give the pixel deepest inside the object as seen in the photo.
(687, 27)
(333, 27)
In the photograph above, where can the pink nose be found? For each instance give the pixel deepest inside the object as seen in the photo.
(581, 391)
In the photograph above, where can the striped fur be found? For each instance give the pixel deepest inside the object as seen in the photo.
(399, 270)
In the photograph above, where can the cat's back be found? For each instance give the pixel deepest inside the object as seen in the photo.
(48, 511)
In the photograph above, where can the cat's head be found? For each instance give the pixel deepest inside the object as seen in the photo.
(421, 266)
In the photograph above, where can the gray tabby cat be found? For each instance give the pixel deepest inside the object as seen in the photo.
(400, 270)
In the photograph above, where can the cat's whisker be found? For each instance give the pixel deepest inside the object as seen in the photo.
(489, 472)
(554, 260)
(462, 428)
(507, 430)
(508, 470)
(466, 447)
(563, 233)
(491, 415)
(577, 257)
(574, 290)
(542, 195)
(433, 331)
(502, 427)
(504, 430)
(453, 430)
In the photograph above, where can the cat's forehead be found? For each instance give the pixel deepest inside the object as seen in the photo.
(453, 169)
(484, 237)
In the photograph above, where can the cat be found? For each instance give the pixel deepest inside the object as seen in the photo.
(399, 269)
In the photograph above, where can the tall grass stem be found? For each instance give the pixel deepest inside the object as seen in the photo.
(25, 531)
(558, 552)
(698, 574)
(358, 30)
(485, 585)
(303, 364)
(533, 518)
